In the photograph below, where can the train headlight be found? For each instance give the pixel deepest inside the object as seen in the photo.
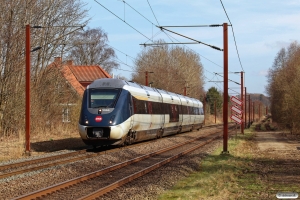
(111, 120)
(86, 121)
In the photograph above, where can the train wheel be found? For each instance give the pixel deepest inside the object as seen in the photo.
(161, 132)
(129, 138)
(158, 134)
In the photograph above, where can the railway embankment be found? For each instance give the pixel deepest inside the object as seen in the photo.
(263, 163)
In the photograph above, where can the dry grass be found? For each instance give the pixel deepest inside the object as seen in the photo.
(210, 119)
(222, 176)
(13, 146)
(247, 173)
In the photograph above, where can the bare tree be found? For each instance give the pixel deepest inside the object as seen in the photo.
(174, 69)
(284, 88)
(90, 47)
(57, 18)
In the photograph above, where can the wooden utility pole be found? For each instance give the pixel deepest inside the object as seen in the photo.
(225, 96)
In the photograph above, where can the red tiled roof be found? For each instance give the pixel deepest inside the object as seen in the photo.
(88, 73)
(69, 76)
(79, 76)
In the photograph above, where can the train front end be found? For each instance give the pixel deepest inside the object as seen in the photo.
(105, 113)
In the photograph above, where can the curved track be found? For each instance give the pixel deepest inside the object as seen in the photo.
(13, 169)
(119, 174)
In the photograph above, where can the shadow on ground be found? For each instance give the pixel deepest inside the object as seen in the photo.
(57, 145)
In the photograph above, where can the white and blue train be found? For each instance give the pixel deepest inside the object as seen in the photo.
(119, 112)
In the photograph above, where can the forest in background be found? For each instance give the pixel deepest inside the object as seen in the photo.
(284, 88)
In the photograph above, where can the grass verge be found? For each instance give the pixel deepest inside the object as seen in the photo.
(223, 176)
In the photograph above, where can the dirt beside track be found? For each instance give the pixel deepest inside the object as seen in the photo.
(278, 162)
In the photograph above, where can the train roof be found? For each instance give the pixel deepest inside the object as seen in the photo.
(119, 83)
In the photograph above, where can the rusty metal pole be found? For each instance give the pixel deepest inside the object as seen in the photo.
(184, 92)
(204, 106)
(242, 99)
(245, 107)
(253, 107)
(27, 89)
(146, 77)
(225, 96)
(249, 108)
(215, 113)
(258, 111)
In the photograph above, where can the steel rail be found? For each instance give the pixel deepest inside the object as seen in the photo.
(78, 180)
(61, 156)
(143, 172)
(39, 160)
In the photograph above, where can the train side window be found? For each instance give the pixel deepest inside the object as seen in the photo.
(180, 109)
(166, 108)
(201, 111)
(191, 110)
(174, 115)
(186, 110)
(195, 110)
(156, 108)
(146, 109)
(140, 106)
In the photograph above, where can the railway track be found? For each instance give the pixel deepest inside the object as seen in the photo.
(13, 169)
(114, 176)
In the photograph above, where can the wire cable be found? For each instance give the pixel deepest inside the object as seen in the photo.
(197, 53)
(233, 35)
(153, 12)
(144, 35)
(123, 20)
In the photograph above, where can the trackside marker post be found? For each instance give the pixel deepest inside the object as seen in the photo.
(237, 110)
(236, 100)
(236, 119)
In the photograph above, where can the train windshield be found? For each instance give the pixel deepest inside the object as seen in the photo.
(103, 98)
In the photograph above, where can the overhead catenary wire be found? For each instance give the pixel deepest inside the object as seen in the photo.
(153, 12)
(134, 59)
(233, 35)
(148, 21)
(214, 25)
(123, 20)
(145, 17)
(233, 90)
(197, 53)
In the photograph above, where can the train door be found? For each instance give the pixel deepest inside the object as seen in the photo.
(131, 110)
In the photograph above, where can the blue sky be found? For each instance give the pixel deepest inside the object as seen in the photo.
(261, 29)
